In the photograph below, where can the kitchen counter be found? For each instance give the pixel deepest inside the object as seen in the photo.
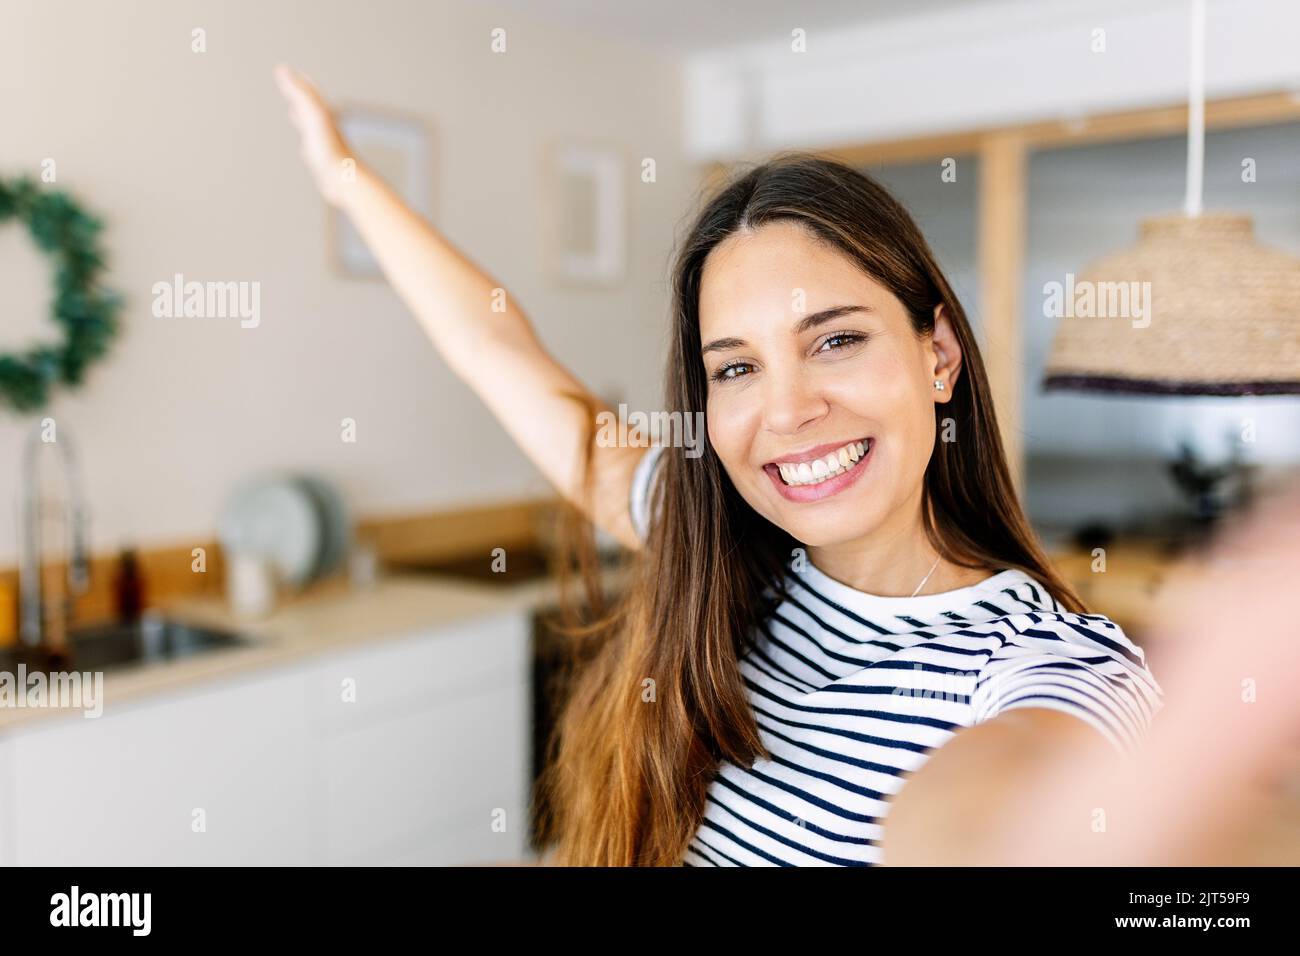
(329, 616)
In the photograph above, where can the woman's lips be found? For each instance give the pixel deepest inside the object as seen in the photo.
(823, 489)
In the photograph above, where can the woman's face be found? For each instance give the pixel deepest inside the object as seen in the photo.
(823, 419)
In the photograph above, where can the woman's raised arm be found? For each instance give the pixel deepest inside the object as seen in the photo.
(473, 322)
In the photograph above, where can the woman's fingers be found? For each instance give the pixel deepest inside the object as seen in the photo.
(289, 88)
(307, 108)
(299, 103)
(322, 146)
(291, 84)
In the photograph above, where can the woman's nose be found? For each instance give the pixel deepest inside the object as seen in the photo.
(790, 402)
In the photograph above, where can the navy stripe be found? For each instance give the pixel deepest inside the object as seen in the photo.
(890, 691)
(857, 639)
(854, 712)
(1104, 705)
(795, 654)
(906, 619)
(844, 812)
(699, 852)
(1122, 688)
(806, 825)
(772, 834)
(801, 687)
(841, 609)
(731, 859)
(1016, 597)
(848, 734)
(774, 860)
(830, 754)
(828, 651)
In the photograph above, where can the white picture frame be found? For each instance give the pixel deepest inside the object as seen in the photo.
(400, 149)
(586, 193)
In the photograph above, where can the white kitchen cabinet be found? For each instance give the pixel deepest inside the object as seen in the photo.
(410, 761)
(464, 841)
(128, 788)
(417, 671)
(435, 747)
(6, 802)
(417, 780)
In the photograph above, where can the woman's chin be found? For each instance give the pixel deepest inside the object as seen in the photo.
(829, 541)
(830, 529)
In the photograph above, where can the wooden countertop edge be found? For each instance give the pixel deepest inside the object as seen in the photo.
(333, 618)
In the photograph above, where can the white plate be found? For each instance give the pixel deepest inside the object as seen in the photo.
(336, 523)
(275, 518)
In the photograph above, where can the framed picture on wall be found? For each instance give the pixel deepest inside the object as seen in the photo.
(400, 149)
(585, 234)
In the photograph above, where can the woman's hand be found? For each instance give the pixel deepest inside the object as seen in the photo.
(1036, 788)
(323, 148)
(1225, 622)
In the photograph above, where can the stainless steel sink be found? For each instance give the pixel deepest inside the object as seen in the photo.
(114, 646)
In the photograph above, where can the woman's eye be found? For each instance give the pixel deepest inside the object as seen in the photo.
(730, 371)
(845, 338)
(724, 372)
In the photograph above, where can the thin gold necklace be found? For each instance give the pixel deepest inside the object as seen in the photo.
(927, 576)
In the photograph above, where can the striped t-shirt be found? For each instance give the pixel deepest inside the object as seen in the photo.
(852, 690)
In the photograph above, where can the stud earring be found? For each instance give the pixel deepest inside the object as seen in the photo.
(939, 386)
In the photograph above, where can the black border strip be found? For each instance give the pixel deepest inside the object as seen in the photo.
(1147, 386)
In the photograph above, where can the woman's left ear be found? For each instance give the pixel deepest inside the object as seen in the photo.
(947, 354)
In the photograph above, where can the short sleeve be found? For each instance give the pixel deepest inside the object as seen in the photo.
(1081, 664)
(642, 482)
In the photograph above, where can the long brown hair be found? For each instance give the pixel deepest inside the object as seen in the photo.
(659, 700)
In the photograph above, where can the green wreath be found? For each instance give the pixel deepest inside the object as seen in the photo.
(86, 312)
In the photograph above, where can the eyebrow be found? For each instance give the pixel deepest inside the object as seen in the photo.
(805, 324)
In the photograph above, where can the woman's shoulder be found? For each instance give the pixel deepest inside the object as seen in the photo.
(1082, 663)
(1035, 615)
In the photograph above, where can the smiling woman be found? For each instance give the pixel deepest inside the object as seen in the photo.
(835, 583)
(833, 590)
(859, 374)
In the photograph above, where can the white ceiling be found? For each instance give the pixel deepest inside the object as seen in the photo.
(686, 25)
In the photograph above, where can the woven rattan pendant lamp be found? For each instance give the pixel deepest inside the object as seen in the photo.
(1196, 307)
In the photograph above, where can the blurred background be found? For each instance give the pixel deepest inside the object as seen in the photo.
(312, 568)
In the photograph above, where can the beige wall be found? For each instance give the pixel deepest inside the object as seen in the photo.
(191, 162)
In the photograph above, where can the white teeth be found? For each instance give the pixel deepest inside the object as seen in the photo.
(819, 469)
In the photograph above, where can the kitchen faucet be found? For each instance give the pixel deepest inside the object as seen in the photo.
(33, 631)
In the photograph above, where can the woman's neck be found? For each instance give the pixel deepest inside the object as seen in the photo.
(893, 561)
